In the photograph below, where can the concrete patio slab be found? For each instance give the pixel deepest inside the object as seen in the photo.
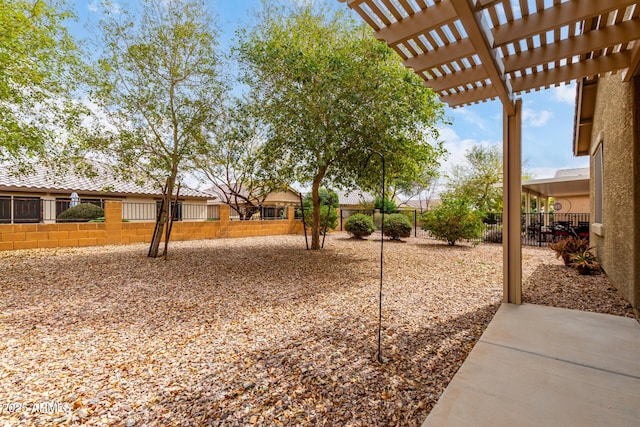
(546, 366)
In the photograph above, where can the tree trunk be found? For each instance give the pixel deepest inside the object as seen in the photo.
(315, 219)
(161, 223)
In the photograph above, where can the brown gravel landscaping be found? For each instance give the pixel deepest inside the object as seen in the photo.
(254, 331)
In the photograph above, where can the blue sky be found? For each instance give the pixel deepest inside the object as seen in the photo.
(547, 128)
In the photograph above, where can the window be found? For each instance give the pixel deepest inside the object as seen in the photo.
(598, 169)
(27, 209)
(5, 210)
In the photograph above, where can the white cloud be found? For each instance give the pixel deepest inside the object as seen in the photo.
(94, 6)
(471, 116)
(565, 94)
(535, 118)
(457, 148)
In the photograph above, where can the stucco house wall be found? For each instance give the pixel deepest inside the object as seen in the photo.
(573, 204)
(617, 238)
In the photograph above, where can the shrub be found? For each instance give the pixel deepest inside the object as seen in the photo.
(453, 220)
(359, 225)
(387, 205)
(397, 226)
(81, 213)
(566, 248)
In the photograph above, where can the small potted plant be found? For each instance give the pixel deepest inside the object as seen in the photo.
(566, 248)
(585, 262)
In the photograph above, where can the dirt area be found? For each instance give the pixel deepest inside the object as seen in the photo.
(254, 331)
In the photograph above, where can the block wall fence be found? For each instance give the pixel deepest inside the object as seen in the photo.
(115, 232)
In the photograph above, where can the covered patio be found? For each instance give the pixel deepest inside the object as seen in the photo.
(471, 51)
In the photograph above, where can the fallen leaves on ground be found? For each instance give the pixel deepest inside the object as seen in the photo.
(254, 331)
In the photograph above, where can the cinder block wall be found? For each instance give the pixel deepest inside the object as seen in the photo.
(115, 232)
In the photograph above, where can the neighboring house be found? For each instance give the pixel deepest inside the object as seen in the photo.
(421, 205)
(41, 196)
(355, 199)
(569, 189)
(607, 128)
(273, 205)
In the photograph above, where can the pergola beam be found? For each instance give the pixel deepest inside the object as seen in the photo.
(554, 18)
(478, 32)
(453, 52)
(469, 96)
(590, 67)
(634, 63)
(578, 45)
(459, 78)
(422, 22)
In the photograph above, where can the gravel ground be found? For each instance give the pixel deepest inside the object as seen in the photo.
(254, 331)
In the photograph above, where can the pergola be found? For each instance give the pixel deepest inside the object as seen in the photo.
(471, 51)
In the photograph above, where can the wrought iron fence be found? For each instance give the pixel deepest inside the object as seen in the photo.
(148, 211)
(33, 210)
(537, 228)
(259, 213)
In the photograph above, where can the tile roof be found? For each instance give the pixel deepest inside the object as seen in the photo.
(354, 197)
(43, 179)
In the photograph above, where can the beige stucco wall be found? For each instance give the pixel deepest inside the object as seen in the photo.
(573, 204)
(618, 245)
(282, 198)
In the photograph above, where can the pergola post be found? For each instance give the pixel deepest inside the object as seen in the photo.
(512, 197)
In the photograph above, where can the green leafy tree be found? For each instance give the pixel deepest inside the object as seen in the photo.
(158, 80)
(480, 179)
(329, 202)
(453, 220)
(332, 95)
(231, 160)
(39, 68)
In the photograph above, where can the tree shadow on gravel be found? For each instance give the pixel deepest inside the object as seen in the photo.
(127, 286)
(328, 375)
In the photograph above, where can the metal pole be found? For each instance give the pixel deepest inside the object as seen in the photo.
(381, 268)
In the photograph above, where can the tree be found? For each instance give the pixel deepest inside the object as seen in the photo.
(231, 160)
(158, 80)
(39, 68)
(479, 180)
(453, 220)
(332, 95)
(329, 202)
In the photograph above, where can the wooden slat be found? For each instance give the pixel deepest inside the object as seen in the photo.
(480, 37)
(418, 23)
(459, 78)
(590, 67)
(470, 96)
(579, 45)
(563, 14)
(453, 52)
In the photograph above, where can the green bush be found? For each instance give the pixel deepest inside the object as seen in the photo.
(397, 226)
(81, 213)
(359, 225)
(386, 205)
(453, 220)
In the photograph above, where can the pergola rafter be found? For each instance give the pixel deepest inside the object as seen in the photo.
(471, 51)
